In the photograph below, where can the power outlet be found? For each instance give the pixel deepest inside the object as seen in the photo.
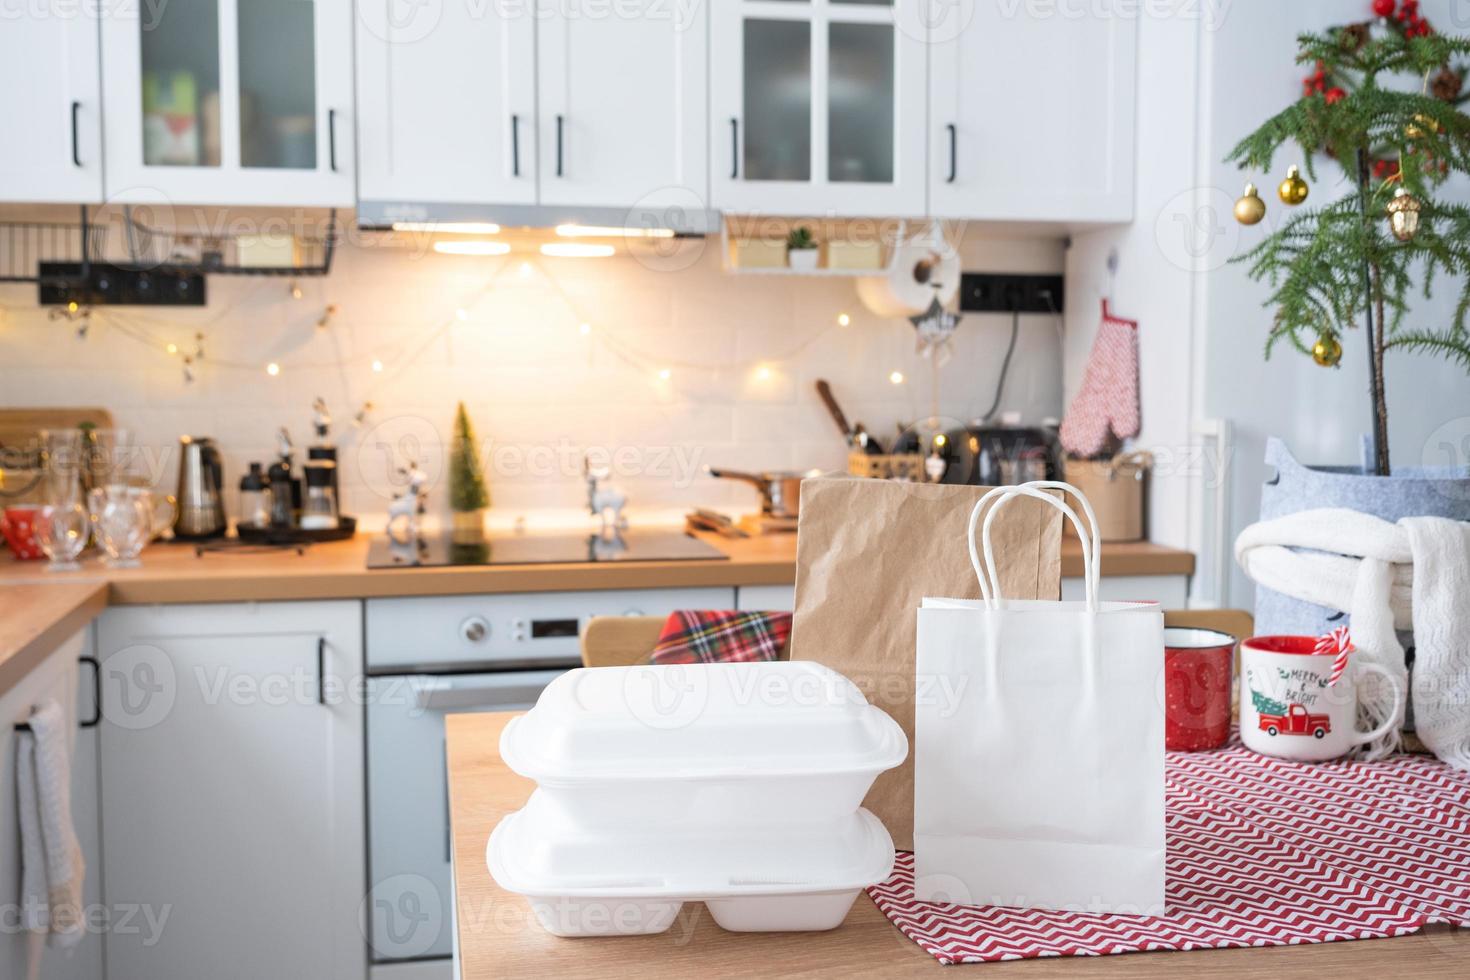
(1005, 292)
(110, 285)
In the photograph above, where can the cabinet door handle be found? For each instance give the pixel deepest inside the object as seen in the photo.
(734, 148)
(332, 139)
(560, 119)
(953, 153)
(321, 670)
(96, 718)
(515, 145)
(76, 154)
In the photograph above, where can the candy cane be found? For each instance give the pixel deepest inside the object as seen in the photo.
(1337, 642)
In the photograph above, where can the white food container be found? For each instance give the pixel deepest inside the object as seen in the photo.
(711, 745)
(599, 884)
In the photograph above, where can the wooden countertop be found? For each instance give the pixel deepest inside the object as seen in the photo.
(36, 619)
(39, 607)
(498, 937)
(172, 573)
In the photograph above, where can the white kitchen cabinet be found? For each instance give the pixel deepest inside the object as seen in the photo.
(766, 598)
(229, 102)
(446, 102)
(1169, 591)
(232, 795)
(623, 103)
(817, 108)
(1031, 117)
(50, 107)
(57, 677)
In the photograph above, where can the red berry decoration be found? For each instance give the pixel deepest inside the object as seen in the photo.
(1335, 95)
(1383, 8)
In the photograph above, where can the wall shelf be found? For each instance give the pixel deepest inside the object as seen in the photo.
(60, 255)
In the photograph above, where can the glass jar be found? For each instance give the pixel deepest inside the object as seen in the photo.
(319, 505)
(255, 498)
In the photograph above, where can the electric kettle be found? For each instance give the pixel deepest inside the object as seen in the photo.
(201, 490)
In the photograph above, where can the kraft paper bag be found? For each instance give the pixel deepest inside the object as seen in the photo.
(867, 553)
(1039, 776)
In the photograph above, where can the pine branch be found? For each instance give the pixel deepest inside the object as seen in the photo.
(1452, 348)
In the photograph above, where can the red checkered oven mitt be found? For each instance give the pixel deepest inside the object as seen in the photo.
(1105, 411)
(710, 636)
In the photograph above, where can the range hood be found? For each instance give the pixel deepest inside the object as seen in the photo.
(639, 221)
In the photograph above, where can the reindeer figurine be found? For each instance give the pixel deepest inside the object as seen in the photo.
(604, 502)
(410, 505)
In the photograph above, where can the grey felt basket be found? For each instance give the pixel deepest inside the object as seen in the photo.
(1409, 492)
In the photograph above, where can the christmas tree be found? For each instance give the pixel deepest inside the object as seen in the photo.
(467, 490)
(1265, 705)
(1355, 261)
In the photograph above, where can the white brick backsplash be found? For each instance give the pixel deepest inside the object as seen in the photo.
(536, 388)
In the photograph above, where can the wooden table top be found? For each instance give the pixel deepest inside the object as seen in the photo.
(498, 937)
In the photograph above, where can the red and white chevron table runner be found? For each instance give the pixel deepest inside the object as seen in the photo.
(1262, 852)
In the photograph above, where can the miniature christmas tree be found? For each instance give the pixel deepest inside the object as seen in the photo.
(1353, 262)
(467, 490)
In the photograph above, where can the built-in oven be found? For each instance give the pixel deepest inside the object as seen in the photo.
(432, 656)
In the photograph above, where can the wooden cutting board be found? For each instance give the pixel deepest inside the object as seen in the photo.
(20, 438)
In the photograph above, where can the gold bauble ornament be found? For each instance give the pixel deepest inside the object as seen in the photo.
(1412, 130)
(1293, 189)
(1403, 215)
(1249, 208)
(1327, 351)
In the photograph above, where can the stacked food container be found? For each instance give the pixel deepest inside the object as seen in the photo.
(738, 785)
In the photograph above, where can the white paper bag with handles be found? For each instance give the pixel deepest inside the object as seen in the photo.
(1039, 753)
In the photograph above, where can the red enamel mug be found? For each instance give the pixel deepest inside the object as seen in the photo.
(1198, 680)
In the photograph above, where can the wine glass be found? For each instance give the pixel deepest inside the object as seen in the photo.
(62, 532)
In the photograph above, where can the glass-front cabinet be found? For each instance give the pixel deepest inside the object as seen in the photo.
(229, 102)
(818, 107)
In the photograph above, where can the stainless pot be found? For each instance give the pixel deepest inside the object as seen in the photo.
(780, 489)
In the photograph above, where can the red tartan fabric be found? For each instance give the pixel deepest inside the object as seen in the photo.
(709, 636)
(1262, 852)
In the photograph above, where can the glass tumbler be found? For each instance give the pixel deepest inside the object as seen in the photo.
(62, 461)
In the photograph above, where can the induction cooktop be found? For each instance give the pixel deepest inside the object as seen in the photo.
(439, 550)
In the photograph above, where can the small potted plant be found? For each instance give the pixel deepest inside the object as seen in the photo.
(801, 249)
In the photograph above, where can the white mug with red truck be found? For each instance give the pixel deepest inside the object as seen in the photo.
(1299, 697)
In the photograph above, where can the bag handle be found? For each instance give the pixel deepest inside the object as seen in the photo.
(1091, 545)
(1091, 551)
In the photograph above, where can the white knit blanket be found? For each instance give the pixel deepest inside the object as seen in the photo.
(1411, 575)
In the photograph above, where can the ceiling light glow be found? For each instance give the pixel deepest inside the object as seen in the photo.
(471, 248)
(576, 250)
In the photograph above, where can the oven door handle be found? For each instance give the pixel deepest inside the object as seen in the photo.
(518, 694)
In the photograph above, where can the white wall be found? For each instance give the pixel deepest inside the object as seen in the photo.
(538, 390)
(1155, 283)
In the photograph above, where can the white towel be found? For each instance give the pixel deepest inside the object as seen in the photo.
(51, 857)
(1411, 575)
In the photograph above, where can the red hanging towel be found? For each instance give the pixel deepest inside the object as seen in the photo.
(1105, 411)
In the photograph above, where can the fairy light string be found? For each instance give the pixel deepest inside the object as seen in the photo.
(150, 333)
